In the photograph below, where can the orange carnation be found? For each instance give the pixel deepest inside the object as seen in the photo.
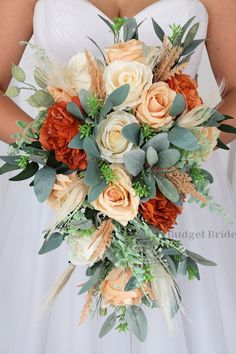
(160, 212)
(57, 131)
(184, 84)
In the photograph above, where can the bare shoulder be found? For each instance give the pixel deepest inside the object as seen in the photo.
(16, 23)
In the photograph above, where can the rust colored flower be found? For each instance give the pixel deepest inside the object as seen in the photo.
(184, 84)
(57, 131)
(160, 212)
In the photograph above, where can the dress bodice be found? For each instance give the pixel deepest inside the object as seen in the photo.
(61, 27)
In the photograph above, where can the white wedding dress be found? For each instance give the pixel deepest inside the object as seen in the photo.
(61, 27)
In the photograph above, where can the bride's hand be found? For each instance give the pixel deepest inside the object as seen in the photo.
(16, 21)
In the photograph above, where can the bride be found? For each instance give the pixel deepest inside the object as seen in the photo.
(61, 27)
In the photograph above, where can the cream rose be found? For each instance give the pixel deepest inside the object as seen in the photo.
(118, 200)
(77, 72)
(113, 289)
(110, 140)
(136, 74)
(155, 105)
(80, 249)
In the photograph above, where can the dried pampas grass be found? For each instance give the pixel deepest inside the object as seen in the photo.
(103, 238)
(97, 82)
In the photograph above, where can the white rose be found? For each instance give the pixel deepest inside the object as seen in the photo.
(136, 74)
(79, 250)
(77, 72)
(110, 140)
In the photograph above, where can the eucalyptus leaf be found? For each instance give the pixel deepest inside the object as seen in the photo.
(134, 161)
(83, 97)
(12, 91)
(167, 188)
(131, 132)
(201, 260)
(28, 172)
(77, 142)
(119, 95)
(95, 191)
(11, 160)
(152, 156)
(227, 128)
(178, 106)
(191, 35)
(188, 50)
(43, 183)
(93, 174)
(132, 284)
(94, 279)
(168, 158)
(183, 138)
(41, 98)
(137, 322)
(91, 147)
(8, 168)
(108, 325)
(73, 109)
(129, 29)
(51, 243)
(158, 30)
(18, 73)
(222, 145)
(108, 23)
(159, 142)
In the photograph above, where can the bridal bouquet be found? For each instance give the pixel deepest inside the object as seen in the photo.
(117, 149)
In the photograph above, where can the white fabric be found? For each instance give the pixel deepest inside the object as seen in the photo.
(61, 28)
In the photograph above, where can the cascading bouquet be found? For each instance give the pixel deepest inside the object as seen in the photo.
(116, 148)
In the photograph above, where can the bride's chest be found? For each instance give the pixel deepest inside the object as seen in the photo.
(62, 27)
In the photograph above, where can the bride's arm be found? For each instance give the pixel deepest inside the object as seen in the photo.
(16, 25)
(221, 46)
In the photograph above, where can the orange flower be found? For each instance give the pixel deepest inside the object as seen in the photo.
(57, 131)
(113, 289)
(160, 212)
(184, 84)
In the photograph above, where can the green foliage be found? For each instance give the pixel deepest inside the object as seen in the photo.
(73, 109)
(94, 104)
(158, 30)
(28, 172)
(107, 173)
(177, 32)
(142, 190)
(134, 161)
(131, 132)
(23, 161)
(152, 156)
(184, 139)
(52, 242)
(159, 142)
(137, 322)
(123, 325)
(147, 132)
(43, 183)
(12, 91)
(86, 130)
(108, 325)
(178, 106)
(167, 188)
(130, 29)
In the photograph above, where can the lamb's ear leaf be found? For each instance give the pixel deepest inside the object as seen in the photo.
(167, 188)
(184, 139)
(73, 109)
(178, 106)
(76, 142)
(51, 243)
(158, 30)
(43, 183)
(137, 322)
(108, 325)
(91, 147)
(95, 191)
(134, 161)
(131, 132)
(119, 95)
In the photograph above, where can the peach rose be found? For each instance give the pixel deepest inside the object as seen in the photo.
(119, 200)
(132, 50)
(155, 105)
(112, 289)
(59, 94)
(61, 189)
